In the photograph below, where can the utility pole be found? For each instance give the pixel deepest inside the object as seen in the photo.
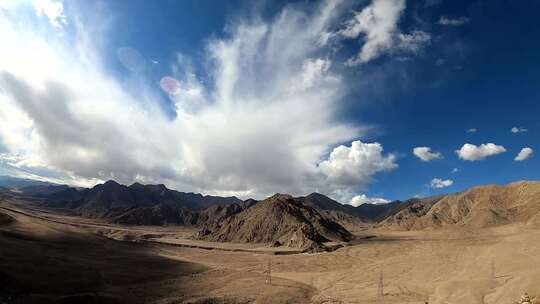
(380, 289)
(269, 272)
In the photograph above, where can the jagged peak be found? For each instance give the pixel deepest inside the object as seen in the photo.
(111, 182)
(280, 196)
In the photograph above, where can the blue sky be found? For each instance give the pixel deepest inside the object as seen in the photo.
(271, 96)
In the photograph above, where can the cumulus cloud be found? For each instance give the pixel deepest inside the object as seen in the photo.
(453, 22)
(455, 170)
(472, 152)
(524, 154)
(425, 154)
(265, 124)
(361, 199)
(438, 183)
(355, 165)
(518, 130)
(378, 23)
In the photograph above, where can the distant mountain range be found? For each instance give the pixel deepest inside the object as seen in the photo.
(11, 182)
(294, 221)
(139, 204)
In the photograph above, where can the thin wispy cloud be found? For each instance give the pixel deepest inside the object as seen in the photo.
(378, 23)
(518, 130)
(453, 21)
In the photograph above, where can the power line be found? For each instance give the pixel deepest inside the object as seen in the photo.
(380, 288)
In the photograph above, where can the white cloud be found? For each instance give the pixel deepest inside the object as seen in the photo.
(453, 22)
(472, 130)
(413, 42)
(361, 199)
(312, 72)
(425, 154)
(53, 10)
(264, 125)
(518, 130)
(378, 23)
(455, 170)
(524, 154)
(472, 152)
(438, 183)
(354, 166)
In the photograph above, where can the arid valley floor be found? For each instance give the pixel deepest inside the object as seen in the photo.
(57, 258)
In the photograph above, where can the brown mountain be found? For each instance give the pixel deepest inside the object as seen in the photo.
(113, 200)
(345, 215)
(176, 214)
(478, 207)
(277, 220)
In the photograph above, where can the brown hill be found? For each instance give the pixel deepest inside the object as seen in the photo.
(478, 207)
(277, 220)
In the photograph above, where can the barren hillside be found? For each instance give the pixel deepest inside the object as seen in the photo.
(478, 207)
(278, 220)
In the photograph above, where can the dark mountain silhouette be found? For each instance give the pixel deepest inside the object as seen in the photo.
(60, 195)
(112, 199)
(346, 215)
(377, 212)
(277, 220)
(160, 214)
(176, 214)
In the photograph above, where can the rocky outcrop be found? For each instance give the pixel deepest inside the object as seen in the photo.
(478, 207)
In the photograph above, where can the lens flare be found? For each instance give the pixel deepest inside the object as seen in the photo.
(170, 85)
(131, 59)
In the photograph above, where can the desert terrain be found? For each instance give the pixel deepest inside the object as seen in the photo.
(53, 257)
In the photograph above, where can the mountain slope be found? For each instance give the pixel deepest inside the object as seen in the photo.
(159, 215)
(111, 199)
(16, 182)
(478, 207)
(278, 220)
(176, 214)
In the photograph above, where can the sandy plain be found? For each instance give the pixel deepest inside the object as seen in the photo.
(52, 257)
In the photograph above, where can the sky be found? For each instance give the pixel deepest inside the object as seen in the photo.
(364, 101)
